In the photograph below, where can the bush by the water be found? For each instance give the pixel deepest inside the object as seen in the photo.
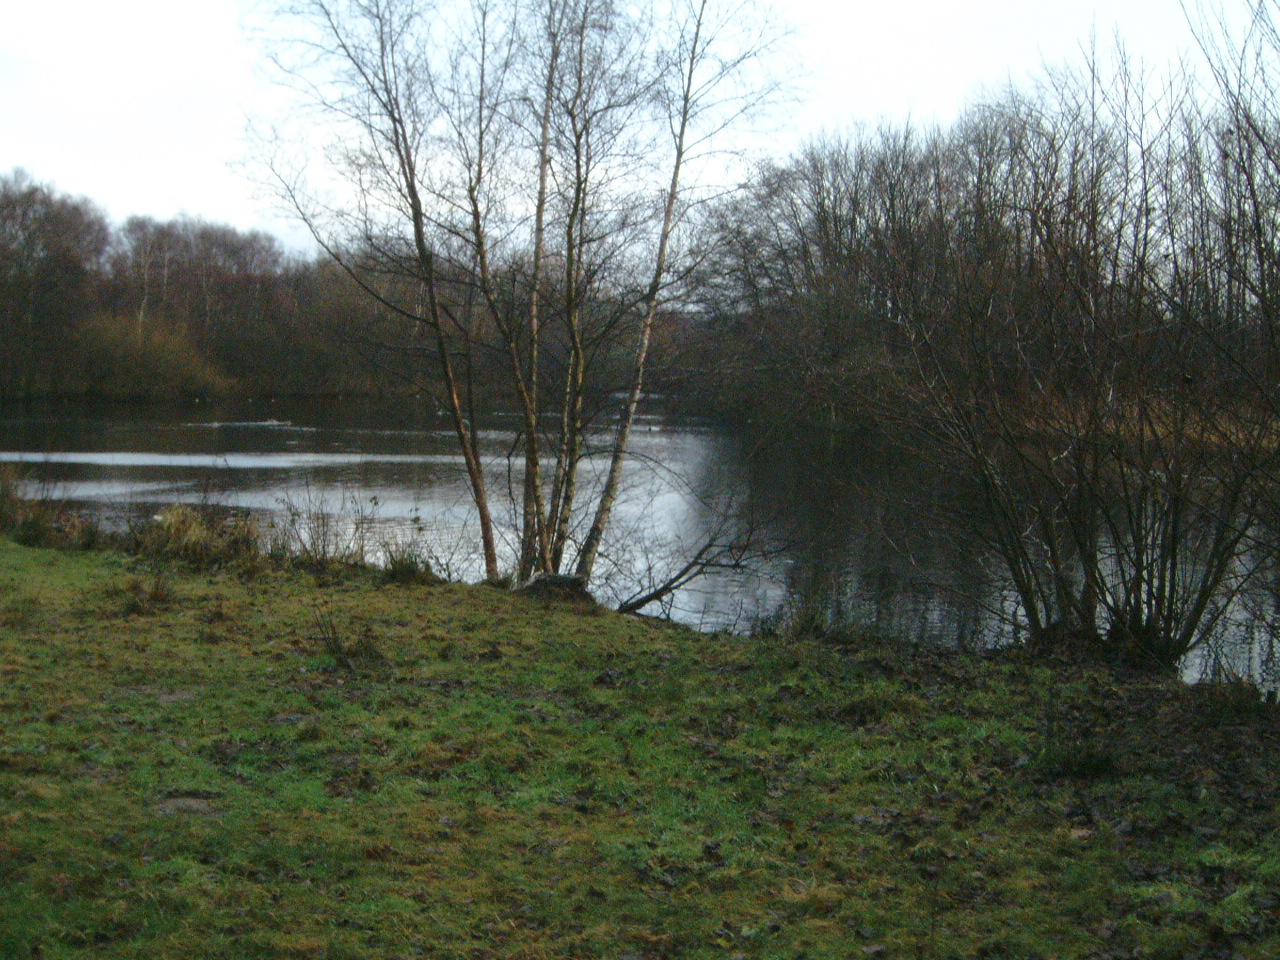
(38, 521)
(202, 537)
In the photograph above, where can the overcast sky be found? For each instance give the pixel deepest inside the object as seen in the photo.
(142, 105)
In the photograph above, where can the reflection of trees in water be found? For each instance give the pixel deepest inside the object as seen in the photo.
(688, 541)
(1244, 645)
(874, 546)
(883, 542)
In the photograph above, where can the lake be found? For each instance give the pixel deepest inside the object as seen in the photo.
(847, 542)
(394, 465)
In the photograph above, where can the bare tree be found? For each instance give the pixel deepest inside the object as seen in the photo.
(494, 185)
(367, 66)
(1240, 172)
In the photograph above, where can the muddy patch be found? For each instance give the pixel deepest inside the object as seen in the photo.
(157, 694)
(196, 802)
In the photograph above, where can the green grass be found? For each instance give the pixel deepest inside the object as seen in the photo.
(195, 765)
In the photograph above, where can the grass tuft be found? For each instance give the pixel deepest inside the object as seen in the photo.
(1234, 699)
(1077, 760)
(35, 520)
(404, 561)
(204, 537)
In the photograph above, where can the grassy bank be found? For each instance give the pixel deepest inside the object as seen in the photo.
(198, 765)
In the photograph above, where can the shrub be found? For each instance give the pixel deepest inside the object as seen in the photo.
(34, 520)
(203, 537)
(126, 357)
(10, 497)
(404, 561)
(319, 532)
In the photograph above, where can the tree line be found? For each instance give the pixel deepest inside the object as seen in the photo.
(163, 308)
(154, 309)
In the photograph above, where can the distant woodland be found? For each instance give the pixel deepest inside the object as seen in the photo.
(155, 309)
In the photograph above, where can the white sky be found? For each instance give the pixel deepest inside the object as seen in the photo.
(142, 105)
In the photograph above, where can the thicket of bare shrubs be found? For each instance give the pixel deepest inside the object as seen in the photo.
(1067, 303)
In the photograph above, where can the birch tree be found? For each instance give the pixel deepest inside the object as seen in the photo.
(508, 180)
